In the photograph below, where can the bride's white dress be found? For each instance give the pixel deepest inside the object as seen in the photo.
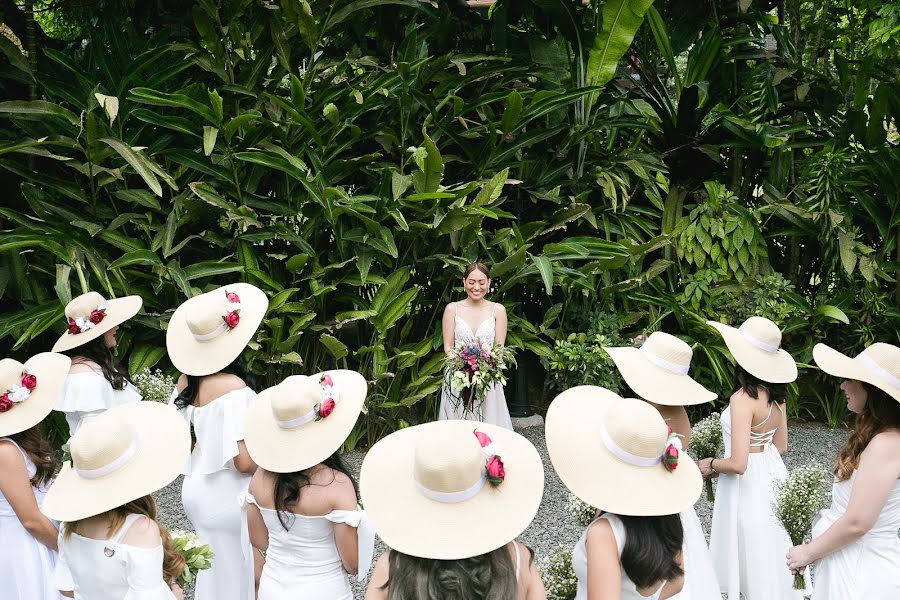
(493, 409)
(867, 569)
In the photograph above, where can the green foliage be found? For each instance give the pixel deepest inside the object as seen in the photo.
(579, 359)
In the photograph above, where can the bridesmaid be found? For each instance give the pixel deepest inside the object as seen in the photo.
(302, 502)
(619, 455)
(27, 464)
(462, 510)
(467, 321)
(96, 382)
(856, 543)
(658, 373)
(111, 545)
(747, 542)
(205, 338)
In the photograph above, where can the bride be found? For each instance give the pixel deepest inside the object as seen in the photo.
(467, 321)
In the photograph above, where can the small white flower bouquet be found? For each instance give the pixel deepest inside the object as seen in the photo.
(558, 575)
(154, 385)
(582, 511)
(706, 439)
(797, 501)
(197, 555)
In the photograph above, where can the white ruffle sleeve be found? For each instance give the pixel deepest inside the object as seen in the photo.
(143, 571)
(89, 391)
(218, 427)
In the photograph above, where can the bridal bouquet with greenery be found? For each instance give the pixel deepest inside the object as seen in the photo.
(797, 501)
(197, 555)
(558, 575)
(706, 440)
(471, 370)
(154, 385)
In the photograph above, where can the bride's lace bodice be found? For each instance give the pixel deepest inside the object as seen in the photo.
(464, 335)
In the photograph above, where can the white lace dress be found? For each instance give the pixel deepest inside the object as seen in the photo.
(747, 542)
(25, 564)
(303, 561)
(867, 569)
(211, 496)
(493, 409)
(87, 394)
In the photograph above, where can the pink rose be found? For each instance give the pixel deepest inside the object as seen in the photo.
(5, 403)
(483, 438)
(232, 297)
(326, 408)
(495, 472)
(29, 381)
(669, 430)
(96, 316)
(670, 458)
(326, 380)
(232, 319)
(73, 327)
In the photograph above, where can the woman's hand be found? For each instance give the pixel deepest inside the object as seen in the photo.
(705, 466)
(798, 558)
(177, 591)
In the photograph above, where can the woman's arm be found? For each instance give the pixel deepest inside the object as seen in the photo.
(500, 329)
(780, 440)
(243, 462)
(379, 579)
(741, 418)
(448, 327)
(345, 536)
(604, 577)
(534, 585)
(16, 487)
(259, 533)
(879, 469)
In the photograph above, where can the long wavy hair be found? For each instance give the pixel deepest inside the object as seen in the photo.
(490, 576)
(37, 448)
(751, 385)
(651, 549)
(96, 351)
(238, 368)
(881, 412)
(289, 486)
(173, 562)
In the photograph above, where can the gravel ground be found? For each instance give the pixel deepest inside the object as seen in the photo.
(553, 525)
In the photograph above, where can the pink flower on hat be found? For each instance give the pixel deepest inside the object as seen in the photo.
(29, 381)
(232, 297)
(326, 407)
(232, 319)
(493, 466)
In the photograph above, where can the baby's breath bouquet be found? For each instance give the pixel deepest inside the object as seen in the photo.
(154, 385)
(581, 510)
(557, 574)
(797, 501)
(706, 439)
(197, 555)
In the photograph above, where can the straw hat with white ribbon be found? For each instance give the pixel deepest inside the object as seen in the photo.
(28, 392)
(126, 453)
(451, 489)
(207, 332)
(91, 315)
(617, 454)
(756, 346)
(658, 371)
(878, 365)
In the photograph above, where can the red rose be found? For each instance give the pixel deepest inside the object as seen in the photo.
(29, 381)
(483, 438)
(232, 319)
(96, 316)
(326, 408)
(5, 403)
(669, 428)
(670, 458)
(495, 472)
(326, 380)
(232, 297)
(72, 327)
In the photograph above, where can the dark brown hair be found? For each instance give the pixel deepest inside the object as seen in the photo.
(751, 383)
(96, 351)
(37, 448)
(289, 486)
(173, 562)
(490, 576)
(881, 412)
(651, 549)
(477, 266)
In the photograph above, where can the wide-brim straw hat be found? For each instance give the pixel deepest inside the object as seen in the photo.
(284, 431)
(878, 365)
(114, 312)
(126, 453)
(200, 341)
(756, 346)
(425, 490)
(49, 371)
(607, 451)
(658, 371)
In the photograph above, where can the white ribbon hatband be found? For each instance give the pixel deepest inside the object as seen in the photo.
(204, 337)
(663, 363)
(624, 455)
(755, 342)
(114, 465)
(877, 369)
(452, 497)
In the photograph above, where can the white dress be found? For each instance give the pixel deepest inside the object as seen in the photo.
(867, 569)
(211, 496)
(580, 566)
(87, 394)
(493, 409)
(107, 569)
(303, 561)
(25, 564)
(700, 581)
(747, 542)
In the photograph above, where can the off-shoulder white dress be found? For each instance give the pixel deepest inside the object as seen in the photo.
(87, 394)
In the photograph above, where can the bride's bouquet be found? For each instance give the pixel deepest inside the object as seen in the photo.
(471, 370)
(706, 439)
(197, 555)
(797, 501)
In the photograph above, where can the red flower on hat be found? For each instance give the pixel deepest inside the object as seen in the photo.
(232, 319)
(73, 327)
(493, 466)
(483, 439)
(326, 380)
(326, 407)
(232, 297)
(28, 380)
(5, 403)
(96, 316)
(670, 458)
